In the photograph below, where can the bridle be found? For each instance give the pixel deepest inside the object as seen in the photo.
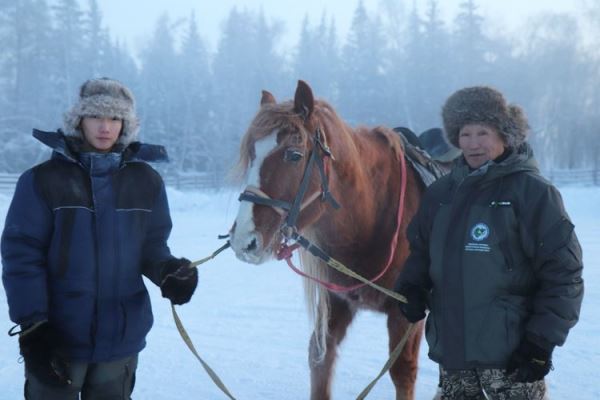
(290, 211)
(289, 229)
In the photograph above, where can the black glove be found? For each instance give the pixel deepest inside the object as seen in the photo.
(38, 348)
(178, 281)
(414, 310)
(530, 361)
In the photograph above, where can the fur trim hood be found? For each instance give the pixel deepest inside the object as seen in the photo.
(107, 98)
(485, 105)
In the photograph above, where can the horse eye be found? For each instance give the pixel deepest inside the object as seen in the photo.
(292, 155)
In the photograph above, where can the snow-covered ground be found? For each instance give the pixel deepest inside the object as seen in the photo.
(249, 322)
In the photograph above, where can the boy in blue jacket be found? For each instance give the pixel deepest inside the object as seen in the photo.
(81, 231)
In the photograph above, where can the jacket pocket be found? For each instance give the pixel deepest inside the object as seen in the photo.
(501, 330)
(136, 316)
(72, 313)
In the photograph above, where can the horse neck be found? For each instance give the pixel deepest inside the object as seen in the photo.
(365, 196)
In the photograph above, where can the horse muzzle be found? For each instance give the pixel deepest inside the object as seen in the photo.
(249, 247)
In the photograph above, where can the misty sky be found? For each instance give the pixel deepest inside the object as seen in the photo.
(132, 21)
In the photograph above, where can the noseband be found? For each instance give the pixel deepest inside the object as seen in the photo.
(257, 196)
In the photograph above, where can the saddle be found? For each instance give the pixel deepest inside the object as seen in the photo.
(427, 167)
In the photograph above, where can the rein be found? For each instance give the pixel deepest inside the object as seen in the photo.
(186, 337)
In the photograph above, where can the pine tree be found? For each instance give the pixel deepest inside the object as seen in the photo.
(472, 54)
(317, 60)
(362, 83)
(245, 64)
(157, 97)
(69, 60)
(195, 150)
(96, 40)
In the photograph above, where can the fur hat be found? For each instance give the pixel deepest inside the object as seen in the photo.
(484, 105)
(107, 98)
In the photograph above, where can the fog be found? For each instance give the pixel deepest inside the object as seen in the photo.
(197, 70)
(136, 30)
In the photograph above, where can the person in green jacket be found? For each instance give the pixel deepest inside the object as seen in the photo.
(494, 258)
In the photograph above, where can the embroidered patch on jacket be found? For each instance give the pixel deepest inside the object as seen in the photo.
(479, 232)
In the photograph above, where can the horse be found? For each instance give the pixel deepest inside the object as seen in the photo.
(300, 160)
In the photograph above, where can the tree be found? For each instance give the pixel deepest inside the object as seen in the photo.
(362, 74)
(428, 75)
(71, 66)
(195, 150)
(317, 58)
(96, 40)
(25, 98)
(555, 97)
(157, 93)
(470, 47)
(245, 63)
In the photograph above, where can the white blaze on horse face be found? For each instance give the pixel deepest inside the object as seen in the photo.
(245, 240)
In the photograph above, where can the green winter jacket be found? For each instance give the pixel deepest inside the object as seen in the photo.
(497, 253)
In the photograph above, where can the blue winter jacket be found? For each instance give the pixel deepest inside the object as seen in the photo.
(81, 230)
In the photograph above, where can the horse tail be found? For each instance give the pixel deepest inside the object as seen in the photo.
(317, 302)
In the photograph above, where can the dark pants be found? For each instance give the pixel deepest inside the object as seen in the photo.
(102, 381)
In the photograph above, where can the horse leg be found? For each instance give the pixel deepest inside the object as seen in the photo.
(404, 371)
(321, 366)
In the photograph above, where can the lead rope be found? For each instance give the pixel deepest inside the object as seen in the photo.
(393, 357)
(186, 338)
(317, 252)
(338, 266)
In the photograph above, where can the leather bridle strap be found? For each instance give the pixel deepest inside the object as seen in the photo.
(257, 196)
(254, 195)
(292, 217)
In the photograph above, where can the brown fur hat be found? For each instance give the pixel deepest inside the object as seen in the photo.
(484, 105)
(106, 98)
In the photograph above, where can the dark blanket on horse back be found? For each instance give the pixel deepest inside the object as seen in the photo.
(428, 169)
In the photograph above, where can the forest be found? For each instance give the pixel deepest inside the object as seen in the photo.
(394, 67)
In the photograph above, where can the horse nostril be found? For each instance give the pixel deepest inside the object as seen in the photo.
(252, 245)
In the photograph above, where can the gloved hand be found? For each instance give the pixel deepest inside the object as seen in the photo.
(530, 361)
(178, 281)
(38, 348)
(414, 310)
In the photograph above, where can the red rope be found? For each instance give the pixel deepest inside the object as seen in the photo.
(285, 251)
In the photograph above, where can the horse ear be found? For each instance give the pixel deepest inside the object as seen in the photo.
(304, 101)
(267, 98)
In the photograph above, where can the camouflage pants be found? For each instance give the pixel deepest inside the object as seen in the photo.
(492, 384)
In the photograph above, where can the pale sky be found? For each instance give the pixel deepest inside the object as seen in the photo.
(133, 21)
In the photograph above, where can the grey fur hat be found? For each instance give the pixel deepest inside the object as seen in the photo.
(484, 105)
(107, 98)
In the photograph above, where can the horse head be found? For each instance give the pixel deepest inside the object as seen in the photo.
(285, 158)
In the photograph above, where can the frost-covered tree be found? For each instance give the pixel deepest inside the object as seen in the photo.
(71, 65)
(469, 46)
(246, 63)
(361, 81)
(195, 148)
(157, 94)
(554, 97)
(316, 59)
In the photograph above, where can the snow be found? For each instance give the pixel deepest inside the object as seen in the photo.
(249, 322)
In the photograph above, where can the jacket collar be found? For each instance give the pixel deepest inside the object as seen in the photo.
(521, 159)
(70, 147)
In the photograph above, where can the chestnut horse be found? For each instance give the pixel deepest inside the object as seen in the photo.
(299, 157)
